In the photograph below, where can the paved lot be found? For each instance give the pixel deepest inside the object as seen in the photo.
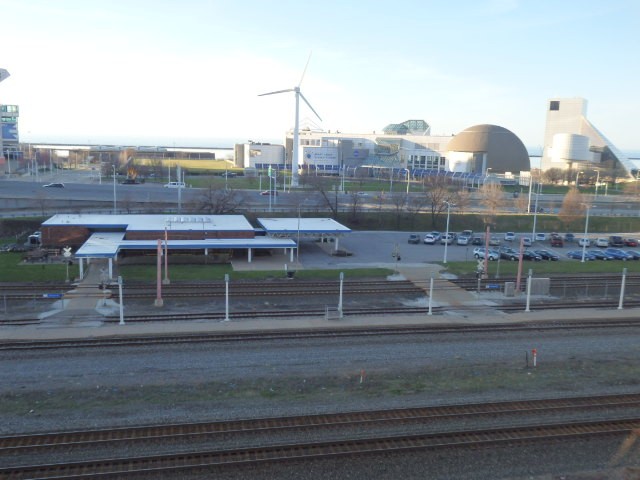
(376, 248)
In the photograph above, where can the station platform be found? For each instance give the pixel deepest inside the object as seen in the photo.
(81, 312)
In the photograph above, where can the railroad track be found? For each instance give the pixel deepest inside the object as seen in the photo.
(318, 311)
(301, 334)
(333, 424)
(238, 289)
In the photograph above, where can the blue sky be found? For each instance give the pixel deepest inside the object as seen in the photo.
(189, 72)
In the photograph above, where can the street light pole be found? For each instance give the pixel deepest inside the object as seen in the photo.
(446, 238)
(597, 181)
(586, 229)
(535, 214)
(114, 189)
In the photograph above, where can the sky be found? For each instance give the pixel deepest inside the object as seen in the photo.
(189, 72)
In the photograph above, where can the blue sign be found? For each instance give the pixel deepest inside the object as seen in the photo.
(51, 295)
(356, 153)
(9, 131)
(493, 286)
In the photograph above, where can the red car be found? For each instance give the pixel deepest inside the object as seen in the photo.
(631, 242)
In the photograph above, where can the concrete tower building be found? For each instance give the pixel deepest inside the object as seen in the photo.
(571, 141)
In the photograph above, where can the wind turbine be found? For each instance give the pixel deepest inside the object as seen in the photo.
(294, 162)
(3, 76)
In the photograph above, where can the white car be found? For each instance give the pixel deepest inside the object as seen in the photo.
(541, 237)
(462, 240)
(429, 239)
(584, 242)
(481, 252)
(602, 242)
(509, 236)
(526, 241)
(446, 238)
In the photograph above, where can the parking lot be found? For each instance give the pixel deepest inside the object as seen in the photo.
(373, 248)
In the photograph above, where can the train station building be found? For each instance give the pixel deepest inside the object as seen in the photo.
(114, 237)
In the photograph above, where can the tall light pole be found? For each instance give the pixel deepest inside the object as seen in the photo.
(408, 173)
(446, 238)
(586, 229)
(597, 181)
(535, 214)
(114, 189)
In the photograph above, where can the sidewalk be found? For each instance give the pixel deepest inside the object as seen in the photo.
(87, 304)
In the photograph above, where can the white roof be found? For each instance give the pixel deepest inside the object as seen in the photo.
(154, 222)
(302, 225)
(107, 244)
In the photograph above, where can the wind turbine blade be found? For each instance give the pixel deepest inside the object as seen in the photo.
(305, 68)
(309, 105)
(279, 91)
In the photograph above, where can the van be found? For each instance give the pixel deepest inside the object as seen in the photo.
(174, 185)
(616, 241)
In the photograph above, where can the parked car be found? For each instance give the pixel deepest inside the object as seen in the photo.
(540, 237)
(429, 239)
(618, 254)
(601, 255)
(531, 255)
(477, 241)
(436, 235)
(584, 242)
(635, 255)
(631, 242)
(481, 252)
(467, 233)
(556, 241)
(547, 255)
(526, 241)
(569, 237)
(509, 236)
(602, 242)
(577, 255)
(616, 241)
(462, 240)
(494, 241)
(267, 192)
(509, 253)
(53, 185)
(414, 238)
(447, 238)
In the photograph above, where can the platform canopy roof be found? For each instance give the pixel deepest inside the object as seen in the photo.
(303, 226)
(108, 244)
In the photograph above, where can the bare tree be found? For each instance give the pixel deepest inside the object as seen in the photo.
(493, 199)
(355, 206)
(553, 175)
(437, 191)
(214, 201)
(328, 190)
(573, 208)
(521, 203)
(463, 199)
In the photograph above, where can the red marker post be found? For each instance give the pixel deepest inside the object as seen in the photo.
(534, 354)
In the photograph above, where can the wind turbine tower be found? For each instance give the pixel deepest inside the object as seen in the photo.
(294, 163)
(3, 76)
